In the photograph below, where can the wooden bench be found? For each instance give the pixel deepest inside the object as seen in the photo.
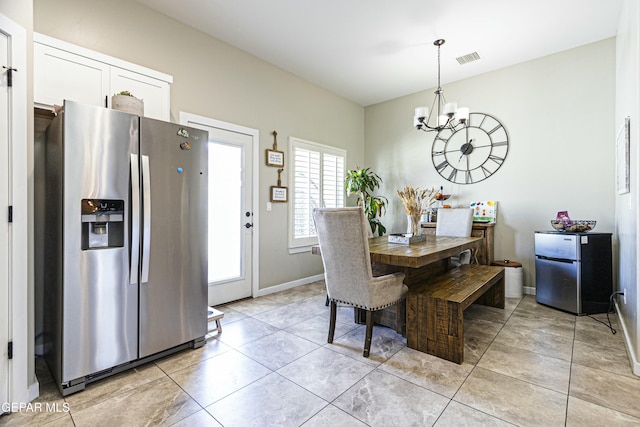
(434, 308)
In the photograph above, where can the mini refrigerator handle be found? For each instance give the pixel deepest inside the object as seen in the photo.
(146, 219)
(135, 220)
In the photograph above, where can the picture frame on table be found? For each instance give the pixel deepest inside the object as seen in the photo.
(275, 158)
(278, 194)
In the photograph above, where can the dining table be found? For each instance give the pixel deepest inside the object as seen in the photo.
(419, 261)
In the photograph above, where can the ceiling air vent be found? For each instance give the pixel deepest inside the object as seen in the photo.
(470, 57)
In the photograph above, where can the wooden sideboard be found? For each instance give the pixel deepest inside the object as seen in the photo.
(485, 255)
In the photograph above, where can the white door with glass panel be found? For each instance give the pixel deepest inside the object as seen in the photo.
(231, 218)
(4, 225)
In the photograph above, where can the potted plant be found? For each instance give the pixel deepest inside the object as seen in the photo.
(363, 182)
(125, 101)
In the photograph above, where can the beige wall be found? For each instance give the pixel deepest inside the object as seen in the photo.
(627, 205)
(215, 80)
(558, 111)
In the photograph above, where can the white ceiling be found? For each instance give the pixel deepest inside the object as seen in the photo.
(370, 51)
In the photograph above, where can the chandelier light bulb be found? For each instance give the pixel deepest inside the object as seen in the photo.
(450, 108)
(422, 112)
(463, 114)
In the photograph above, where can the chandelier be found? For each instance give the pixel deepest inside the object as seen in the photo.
(443, 114)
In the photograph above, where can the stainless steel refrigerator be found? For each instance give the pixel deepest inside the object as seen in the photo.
(574, 271)
(124, 215)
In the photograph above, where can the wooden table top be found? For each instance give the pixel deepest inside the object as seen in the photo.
(417, 255)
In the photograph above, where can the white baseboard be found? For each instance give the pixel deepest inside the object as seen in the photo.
(288, 285)
(529, 290)
(635, 366)
(34, 391)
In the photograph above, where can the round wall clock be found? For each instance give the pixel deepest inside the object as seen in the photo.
(470, 152)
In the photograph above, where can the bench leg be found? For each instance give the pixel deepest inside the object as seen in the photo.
(445, 330)
(494, 296)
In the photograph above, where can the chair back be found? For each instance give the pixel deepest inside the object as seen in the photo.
(344, 245)
(454, 222)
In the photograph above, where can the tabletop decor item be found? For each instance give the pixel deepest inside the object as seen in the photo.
(576, 226)
(406, 239)
(125, 101)
(362, 182)
(413, 200)
(485, 211)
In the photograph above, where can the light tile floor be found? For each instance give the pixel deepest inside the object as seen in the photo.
(526, 365)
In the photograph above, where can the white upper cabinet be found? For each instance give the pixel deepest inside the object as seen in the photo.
(65, 71)
(60, 75)
(153, 92)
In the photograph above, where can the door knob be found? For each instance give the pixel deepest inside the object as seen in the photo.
(248, 225)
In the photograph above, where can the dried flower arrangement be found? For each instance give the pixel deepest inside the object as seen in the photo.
(415, 200)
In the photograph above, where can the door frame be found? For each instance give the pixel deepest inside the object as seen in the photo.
(21, 372)
(189, 119)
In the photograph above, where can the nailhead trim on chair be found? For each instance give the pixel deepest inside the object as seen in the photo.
(366, 308)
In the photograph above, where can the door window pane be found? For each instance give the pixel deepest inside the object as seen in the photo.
(226, 218)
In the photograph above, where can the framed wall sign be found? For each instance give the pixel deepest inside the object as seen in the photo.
(275, 158)
(278, 194)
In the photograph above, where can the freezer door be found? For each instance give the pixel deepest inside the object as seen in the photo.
(556, 245)
(558, 284)
(173, 289)
(99, 306)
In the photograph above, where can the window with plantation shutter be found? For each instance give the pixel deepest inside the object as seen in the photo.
(316, 180)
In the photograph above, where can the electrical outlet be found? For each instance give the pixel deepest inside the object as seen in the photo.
(624, 296)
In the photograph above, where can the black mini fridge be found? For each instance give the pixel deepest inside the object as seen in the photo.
(574, 271)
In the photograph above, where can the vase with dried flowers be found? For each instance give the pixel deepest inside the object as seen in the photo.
(414, 201)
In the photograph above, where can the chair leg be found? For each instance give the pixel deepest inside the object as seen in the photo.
(326, 303)
(369, 332)
(332, 321)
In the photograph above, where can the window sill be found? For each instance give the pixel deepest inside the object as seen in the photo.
(300, 249)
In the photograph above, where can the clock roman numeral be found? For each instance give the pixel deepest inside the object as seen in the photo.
(494, 129)
(501, 143)
(438, 153)
(496, 159)
(442, 166)
(452, 175)
(485, 171)
(467, 177)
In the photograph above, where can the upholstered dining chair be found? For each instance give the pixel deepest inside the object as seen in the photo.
(456, 222)
(344, 246)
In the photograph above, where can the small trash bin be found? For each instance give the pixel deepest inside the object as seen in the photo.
(512, 278)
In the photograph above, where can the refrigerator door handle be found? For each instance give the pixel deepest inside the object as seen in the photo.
(135, 220)
(565, 260)
(146, 219)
